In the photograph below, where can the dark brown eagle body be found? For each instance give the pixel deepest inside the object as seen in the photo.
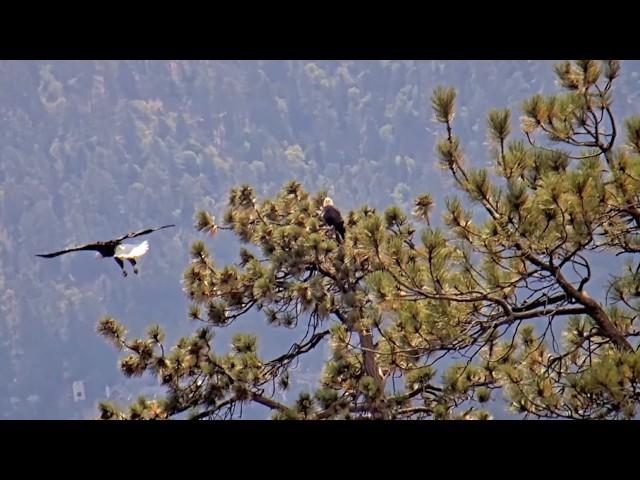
(332, 217)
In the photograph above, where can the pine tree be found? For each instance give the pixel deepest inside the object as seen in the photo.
(432, 323)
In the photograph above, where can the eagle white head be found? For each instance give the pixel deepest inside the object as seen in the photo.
(328, 202)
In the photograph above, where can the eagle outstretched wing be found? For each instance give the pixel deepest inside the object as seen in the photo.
(146, 231)
(89, 246)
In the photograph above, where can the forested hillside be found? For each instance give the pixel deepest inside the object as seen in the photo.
(94, 149)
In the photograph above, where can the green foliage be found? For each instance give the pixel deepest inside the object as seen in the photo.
(199, 250)
(423, 205)
(483, 395)
(156, 333)
(632, 126)
(499, 122)
(443, 103)
(111, 330)
(242, 343)
(327, 397)
(205, 222)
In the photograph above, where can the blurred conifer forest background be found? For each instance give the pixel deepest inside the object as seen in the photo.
(94, 149)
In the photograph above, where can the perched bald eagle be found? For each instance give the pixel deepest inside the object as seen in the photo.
(332, 217)
(115, 248)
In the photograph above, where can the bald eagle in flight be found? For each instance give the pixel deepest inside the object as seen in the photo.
(332, 217)
(115, 248)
